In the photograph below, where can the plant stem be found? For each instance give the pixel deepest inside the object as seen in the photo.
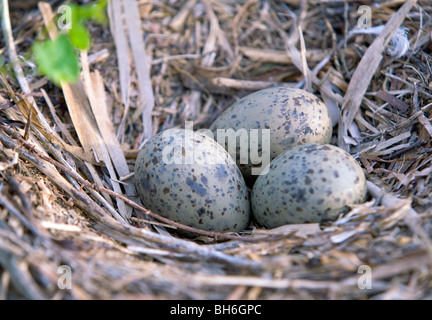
(9, 40)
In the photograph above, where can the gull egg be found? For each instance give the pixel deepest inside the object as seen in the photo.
(308, 183)
(188, 177)
(268, 122)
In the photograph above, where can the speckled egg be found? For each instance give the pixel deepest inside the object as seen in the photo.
(188, 177)
(308, 183)
(292, 117)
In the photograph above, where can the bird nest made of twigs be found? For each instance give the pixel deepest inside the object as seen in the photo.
(71, 225)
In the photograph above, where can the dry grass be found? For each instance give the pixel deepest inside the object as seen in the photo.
(65, 196)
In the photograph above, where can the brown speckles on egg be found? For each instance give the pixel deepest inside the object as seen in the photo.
(204, 195)
(320, 189)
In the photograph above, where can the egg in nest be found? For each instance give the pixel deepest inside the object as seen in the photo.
(308, 183)
(188, 177)
(285, 117)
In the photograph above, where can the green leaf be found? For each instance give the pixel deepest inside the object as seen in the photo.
(57, 60)
(79, 35)
(95, 11)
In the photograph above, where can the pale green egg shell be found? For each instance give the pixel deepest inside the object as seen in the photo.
(308, 183)
(293, 116)
(189, 178)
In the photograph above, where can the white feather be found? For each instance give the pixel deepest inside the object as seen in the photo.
(399, 43)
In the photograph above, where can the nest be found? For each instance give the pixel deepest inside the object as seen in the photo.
(71, 226)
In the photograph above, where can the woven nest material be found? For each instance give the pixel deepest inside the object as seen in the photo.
(71, 226)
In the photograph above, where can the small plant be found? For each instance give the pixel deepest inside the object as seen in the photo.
(57, 59)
